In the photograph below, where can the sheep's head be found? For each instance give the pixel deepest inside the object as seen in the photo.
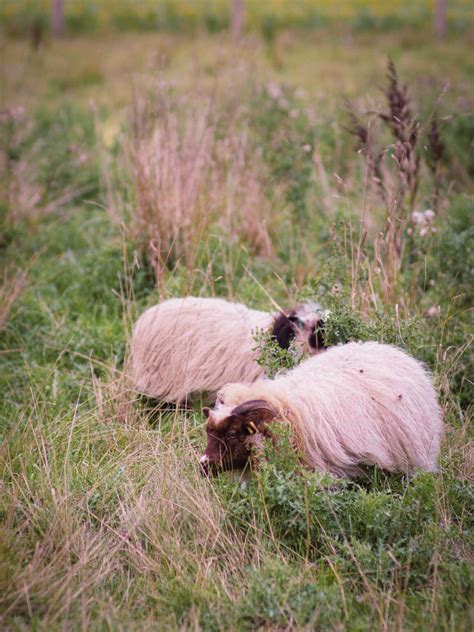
(234, 434)
(304, 325)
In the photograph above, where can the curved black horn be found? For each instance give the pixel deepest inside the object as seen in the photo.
(252, 406)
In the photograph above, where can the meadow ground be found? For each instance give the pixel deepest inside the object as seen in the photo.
(143, 166)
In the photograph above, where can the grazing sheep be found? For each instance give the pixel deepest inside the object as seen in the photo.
(187, 345)
(359, 403)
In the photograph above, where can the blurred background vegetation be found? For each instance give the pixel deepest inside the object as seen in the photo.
(265, 16)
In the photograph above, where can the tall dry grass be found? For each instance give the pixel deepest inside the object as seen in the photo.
(132, 514)
(196, 170)
(392, 180)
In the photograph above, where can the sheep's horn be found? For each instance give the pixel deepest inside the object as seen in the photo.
(252, 406)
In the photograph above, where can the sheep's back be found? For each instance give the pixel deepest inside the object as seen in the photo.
(194, 344)
(364, 402)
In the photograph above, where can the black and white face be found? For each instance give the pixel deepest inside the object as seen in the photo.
(232, 433)
(303, 325)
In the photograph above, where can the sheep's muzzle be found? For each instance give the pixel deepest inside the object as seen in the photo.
(220, 456)
(204, 463)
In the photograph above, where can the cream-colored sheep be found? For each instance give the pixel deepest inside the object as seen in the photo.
(359, 403)
(187, 345)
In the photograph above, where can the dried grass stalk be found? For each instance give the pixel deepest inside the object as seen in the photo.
(11, 288)
(195, 168)
(405, 130)
(398, 181)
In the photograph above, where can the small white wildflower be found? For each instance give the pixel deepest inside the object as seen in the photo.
(274, 90)
(434, 311)
(327, 313)
(429, 215)
(17, 113)
(417, 217)
(307, 148)
(424, 220)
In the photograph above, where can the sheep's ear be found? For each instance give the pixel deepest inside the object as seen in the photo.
(250, 427)
(254, 414)
(206, 411)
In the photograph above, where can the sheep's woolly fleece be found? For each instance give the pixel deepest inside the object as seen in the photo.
(182, 346)
(357, 403)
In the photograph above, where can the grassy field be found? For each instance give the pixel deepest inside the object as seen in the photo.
(143, 166)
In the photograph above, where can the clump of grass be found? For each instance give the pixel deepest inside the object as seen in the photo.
(171, 166)
(195, 171)
(398, 186)
(396, 171)
(362, 533)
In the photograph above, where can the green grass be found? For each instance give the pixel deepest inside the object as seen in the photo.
(106, 520)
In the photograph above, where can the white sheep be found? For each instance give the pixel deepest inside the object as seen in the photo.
(358, 403)
(188, 345)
